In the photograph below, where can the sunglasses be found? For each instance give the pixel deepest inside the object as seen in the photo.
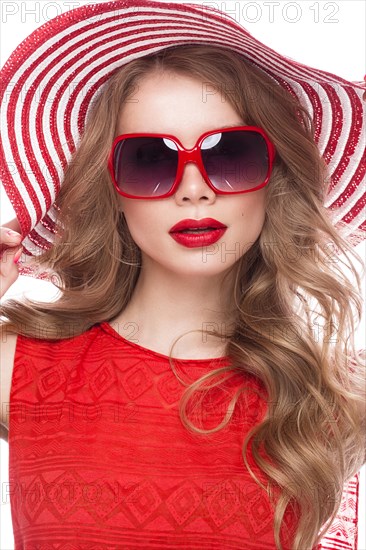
(231, 160)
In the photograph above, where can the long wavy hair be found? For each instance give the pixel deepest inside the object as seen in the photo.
(296, 309)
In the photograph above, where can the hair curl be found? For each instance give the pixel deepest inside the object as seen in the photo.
(288, 280)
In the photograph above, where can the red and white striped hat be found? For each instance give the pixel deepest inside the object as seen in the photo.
(50, 80)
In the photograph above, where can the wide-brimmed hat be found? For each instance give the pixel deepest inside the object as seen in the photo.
(49, 82)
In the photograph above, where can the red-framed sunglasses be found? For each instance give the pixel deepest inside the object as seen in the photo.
(231, 160)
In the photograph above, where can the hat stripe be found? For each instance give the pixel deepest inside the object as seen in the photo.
(25, 193)
(356, 137)
(355, 218)
(316, 109)
(344, 187)
(354, 195)
(343, 131)
(358, 191)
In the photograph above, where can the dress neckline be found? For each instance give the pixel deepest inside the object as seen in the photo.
(110, 330)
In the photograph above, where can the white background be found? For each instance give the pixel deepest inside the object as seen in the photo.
(326, 35)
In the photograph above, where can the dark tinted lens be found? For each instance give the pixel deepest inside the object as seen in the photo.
(145, 166)
(235, 160)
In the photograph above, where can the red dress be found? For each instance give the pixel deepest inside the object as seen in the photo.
(99, 459)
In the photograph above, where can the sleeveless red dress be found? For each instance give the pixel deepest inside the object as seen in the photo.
(99, 458)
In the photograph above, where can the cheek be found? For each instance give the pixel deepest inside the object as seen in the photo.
(252, 216)
(254, 207)
(141, 222)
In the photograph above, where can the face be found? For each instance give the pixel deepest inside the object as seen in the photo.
(175, 104)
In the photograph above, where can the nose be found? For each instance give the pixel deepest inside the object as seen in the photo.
(193, 187)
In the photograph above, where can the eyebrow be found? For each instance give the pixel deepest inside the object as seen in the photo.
(231, 125)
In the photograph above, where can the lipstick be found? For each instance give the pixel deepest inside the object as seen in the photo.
(195, 233)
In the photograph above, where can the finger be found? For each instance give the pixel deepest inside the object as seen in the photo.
(8, 238)
(13, 224)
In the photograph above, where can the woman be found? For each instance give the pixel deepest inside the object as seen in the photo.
(220, 258)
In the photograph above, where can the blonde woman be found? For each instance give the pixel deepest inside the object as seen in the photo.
(177, 394)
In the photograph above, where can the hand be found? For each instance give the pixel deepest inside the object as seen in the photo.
(10, 250)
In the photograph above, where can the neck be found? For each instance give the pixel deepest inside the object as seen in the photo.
(165, 305)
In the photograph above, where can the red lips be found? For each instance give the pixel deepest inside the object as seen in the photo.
(196, 224)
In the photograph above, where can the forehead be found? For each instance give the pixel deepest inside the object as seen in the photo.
(176, 104)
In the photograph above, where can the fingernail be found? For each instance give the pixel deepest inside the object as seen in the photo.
(11, 233)
(17, 256)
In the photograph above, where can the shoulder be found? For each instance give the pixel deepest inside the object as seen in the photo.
(28, 362)
(49, 363)
(44, 348)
